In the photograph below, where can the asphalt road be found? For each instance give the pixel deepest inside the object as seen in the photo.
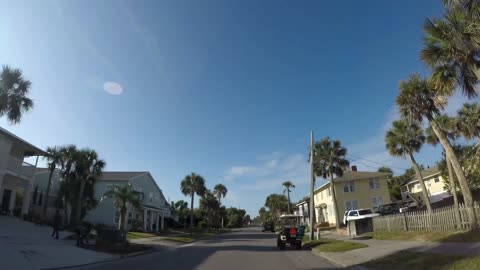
(248, 249)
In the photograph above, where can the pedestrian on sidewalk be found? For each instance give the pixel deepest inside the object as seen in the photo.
(57, 219)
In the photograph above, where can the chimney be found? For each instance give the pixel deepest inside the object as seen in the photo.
(354, 168)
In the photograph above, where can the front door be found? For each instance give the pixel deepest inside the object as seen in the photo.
(7, 194)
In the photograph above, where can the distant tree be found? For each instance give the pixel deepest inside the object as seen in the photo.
(277, 203)
(288, 186)
(14, 90)
(220, 191)
(54, 157)
(468, 121)
(385, 170)
(192, 184)
(181, 207)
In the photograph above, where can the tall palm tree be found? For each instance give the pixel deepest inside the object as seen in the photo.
(88, 166)
(68, 155)
(469, 121)
(220, 191)
(210, 203)
(192, 184)
(182, 207)
(404, 139)
(54, 157)
(418, 100)
(14, 90)
(329, 160)
(451, 49)
(122, 196)
(288, 186)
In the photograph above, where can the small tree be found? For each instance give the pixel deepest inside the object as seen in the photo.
(123, 196)
(288, 185)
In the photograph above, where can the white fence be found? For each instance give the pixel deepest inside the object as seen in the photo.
(441, 219)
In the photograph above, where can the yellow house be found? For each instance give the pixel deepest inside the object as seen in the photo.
(354, 190)
(434, 183)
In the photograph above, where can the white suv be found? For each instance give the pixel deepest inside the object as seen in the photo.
(358, 214)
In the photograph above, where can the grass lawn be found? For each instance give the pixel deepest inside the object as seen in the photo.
(331, 245)
(433, 236)
(422, 261)
(136, 235)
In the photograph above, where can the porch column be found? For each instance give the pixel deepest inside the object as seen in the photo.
(27, 196)
(162, 222)
(157, 227)
(151, 221)
(145, 219)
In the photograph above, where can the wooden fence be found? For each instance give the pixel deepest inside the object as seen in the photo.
(441, 219)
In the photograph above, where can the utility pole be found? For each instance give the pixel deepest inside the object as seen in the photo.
(312, 186)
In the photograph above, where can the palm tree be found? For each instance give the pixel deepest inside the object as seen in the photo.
(88, 166)
(182, 207)
(329, 160)
(211, 204)
(417, 100)
(451, 47)
(469, 121)
(277, 204)
(14, 90)
(288, 185)
(220, 191)
(404, 139)
(123, 196)
(54, 157)
(68, 157)
(192, 184)
(448, 127)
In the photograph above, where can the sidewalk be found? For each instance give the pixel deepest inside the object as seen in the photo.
(27, 246)
(382, 248)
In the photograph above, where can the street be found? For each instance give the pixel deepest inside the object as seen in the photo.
(241, 249)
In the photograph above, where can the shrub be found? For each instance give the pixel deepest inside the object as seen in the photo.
(202, 224)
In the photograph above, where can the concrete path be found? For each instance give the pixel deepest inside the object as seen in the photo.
(238, 250)
(24, 245)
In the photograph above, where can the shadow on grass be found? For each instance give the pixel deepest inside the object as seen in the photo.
(464, 236)
(404, 260)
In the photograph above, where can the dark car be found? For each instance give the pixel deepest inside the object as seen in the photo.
(388, 209)
(268, 226)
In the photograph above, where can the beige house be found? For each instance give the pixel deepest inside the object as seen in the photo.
(354, 190)
(434, 183)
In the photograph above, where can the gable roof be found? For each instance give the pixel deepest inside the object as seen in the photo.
(425, 174)
(119, 176)
(32, 150)
(355, 175)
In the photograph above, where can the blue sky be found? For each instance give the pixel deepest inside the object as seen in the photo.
(227, 89)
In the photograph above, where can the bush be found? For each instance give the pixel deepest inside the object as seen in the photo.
(202, 224)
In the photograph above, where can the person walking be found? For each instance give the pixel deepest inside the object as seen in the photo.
(57, 219)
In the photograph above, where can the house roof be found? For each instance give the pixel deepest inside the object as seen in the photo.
(425, 173)
(355, 175)
(32, 150)
(119, 176)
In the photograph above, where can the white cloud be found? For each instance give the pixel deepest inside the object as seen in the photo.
(238, 171)
(113, 88)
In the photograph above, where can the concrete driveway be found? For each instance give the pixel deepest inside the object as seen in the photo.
(24, 245)
(241, 249)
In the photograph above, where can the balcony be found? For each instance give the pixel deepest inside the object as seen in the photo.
(20, 168)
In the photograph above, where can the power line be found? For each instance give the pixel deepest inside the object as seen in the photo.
(357, 157)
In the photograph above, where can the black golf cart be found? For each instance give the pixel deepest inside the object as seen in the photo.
(291, 232)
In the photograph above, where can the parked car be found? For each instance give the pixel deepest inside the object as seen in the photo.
(388, 209)
(358, 214)
(407, 206)
(268, 226)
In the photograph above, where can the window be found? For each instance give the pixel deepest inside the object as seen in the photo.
(417, 186)
(377, 201)
(353, 214)
(429, 182)
(150, 195)
(108, 187)
(351, 205)
(374, 183)
(35, 195)
(329, 192)
(330, 211)
(40, 199)
(349, 186)
(365, 212)
(436, 179)
(117, 216)
(136, 216)
(130, 215)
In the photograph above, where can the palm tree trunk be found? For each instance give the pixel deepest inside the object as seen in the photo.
(288, 197)
(450, 154)
(191, 212)
(47, 194)
(78, 210)
(426, 198)
(123, 214)
(334, 199)
(453, 190)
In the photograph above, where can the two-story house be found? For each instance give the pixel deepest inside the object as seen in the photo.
(354, 190)
(16, 175)
(151, 216)
(434, 183)
(301, 208)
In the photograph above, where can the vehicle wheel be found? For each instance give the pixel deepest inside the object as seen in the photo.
(281, 246)
(298, 246)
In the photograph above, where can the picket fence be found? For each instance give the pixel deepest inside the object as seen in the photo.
(441, 219)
